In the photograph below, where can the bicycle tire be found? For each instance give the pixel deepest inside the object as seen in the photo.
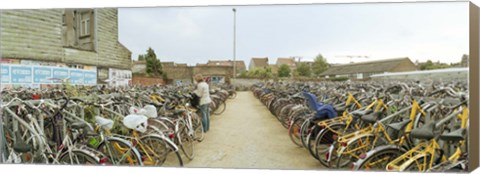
(294, 131)
(391, 153)
(348, 158)
(220, 109)
(185, 141)
(162, 150)
(413, 166)
(311, 140)
(326, 136)
(76, 153)
(233, 95)
(197, 124)
(304, 131)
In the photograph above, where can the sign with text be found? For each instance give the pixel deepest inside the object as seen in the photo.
(42, 75)
(21, 74)
(76, 77)
(36, 75)
(5, 75)
(60, 73)
(90, 77)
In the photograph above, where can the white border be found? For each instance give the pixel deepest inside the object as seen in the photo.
(29, 4)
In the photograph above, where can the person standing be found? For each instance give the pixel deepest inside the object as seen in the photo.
(203, 92)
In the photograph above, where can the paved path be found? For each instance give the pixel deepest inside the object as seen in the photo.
(246, 135)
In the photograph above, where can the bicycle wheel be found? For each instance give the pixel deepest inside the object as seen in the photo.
(185, 141)
(349, 154)
(233, 95)
(294, 131)
(78, 157)
(306, 128)
(324, 140)
(198, 127)
(311, 141)
(120, 152)
(157, 149)
(378, 160)
(418, 165)
(220, 109)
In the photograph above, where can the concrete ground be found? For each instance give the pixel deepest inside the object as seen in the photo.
(246, 135)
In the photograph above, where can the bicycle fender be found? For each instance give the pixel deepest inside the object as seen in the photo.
(97, 160)
(409, 161)
(375, 150)
(161, 136)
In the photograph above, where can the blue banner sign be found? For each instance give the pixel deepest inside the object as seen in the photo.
(90, 78)
(42, 75)
(21, 74)
(5, 75)
(60, 74)
(36, 75)
(76, 77)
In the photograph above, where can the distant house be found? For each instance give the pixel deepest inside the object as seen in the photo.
(287, 61)
(363, 70)
(258, 63)
(239, 64)
(177, 72)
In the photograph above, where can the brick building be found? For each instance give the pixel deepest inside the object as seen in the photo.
(74, 38)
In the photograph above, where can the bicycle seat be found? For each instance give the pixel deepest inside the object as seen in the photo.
(425, 132)
(456, 135)
(399, 125)
(104, 123)
(360, 113)
(78, 125)
(372, 118)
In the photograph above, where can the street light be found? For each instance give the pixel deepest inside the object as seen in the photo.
(234, 43)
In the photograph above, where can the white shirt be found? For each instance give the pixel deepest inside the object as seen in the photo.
(203, 92)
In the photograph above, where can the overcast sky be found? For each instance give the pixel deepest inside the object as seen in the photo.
(421, 31)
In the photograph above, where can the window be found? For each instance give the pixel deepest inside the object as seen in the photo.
(85, 24)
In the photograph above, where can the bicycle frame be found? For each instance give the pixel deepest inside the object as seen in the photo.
(426, 150)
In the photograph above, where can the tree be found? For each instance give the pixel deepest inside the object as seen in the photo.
(464, 62)
(141, 57)
(284, 71)
(154, 67)
(429, 65)
(319, 65)
(303, 69)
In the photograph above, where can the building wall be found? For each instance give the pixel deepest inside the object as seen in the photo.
(138, 80)
(37, 35)
(31, 34)
(139, 68)
(110, 52)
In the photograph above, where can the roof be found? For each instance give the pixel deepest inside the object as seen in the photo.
(173, 64)
(260, 62)
(286, 61)
(239, 64)
(384, 65)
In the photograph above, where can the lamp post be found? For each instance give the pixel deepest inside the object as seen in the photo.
(234, 42)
